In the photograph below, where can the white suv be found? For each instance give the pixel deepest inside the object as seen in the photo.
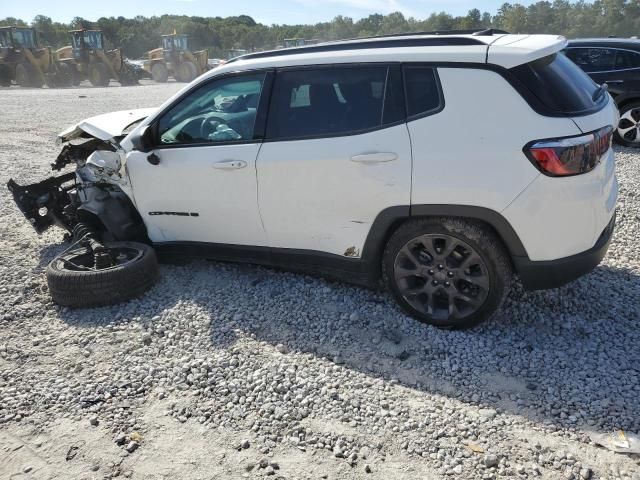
(441, 164)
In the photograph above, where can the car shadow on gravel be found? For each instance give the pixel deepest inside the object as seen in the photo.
(564, 357)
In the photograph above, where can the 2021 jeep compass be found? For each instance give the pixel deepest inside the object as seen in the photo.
(440, 164)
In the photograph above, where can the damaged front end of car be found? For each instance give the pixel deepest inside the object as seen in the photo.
(89, 203)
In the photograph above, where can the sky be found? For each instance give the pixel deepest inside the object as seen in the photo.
(263, 11)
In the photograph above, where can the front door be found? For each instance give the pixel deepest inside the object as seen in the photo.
(200, 183)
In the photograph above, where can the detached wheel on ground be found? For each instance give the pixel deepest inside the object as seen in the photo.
(628, 131)
(74, 281)
(447, 272)
(99, 75)
(159, 73)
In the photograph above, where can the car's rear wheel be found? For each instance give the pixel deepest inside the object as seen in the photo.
(628, 131)
(75, 280)
(447, 272)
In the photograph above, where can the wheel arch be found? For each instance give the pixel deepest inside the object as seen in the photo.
(116, 217)
(391, 218)
(624, 100)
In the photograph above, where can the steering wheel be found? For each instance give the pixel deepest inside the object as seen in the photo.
(209, 126)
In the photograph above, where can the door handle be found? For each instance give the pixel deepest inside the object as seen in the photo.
(230, 165)
(612, 82)
(377, 157)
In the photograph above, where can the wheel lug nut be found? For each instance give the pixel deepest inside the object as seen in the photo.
(449, 274)
(447, 284)
(435, 282)
(440, 267)
(430, 272)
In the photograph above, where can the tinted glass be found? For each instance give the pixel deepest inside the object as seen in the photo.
(326, 101)
(4, 39)
(93, 40)
(423, 94)
(559, 84)
(24, 38)
(593, 59)
(220, 111)
(627, 59)
(394, 110)
(180, 42)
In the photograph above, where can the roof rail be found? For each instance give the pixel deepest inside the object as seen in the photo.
(386, 41)
(477, 32)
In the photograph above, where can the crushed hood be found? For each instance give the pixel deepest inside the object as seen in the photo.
(105, 127)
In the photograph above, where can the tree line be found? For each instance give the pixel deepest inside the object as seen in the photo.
(218, 35)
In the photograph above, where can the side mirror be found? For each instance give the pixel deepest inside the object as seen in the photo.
(142, 140)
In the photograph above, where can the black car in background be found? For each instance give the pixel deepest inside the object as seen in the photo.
(616, 62)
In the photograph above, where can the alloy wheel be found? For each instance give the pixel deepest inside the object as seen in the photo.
(441, 276)
(629, 125)
(82, 259)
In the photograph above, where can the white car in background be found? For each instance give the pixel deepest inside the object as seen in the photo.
(439, 164)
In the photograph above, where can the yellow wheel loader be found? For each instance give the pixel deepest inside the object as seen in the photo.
(175, 59)
(87, 59)
(24, 61)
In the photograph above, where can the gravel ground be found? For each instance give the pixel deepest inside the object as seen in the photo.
(235, 371)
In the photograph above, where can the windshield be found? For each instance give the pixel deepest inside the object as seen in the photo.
(24, 37)
(93, 40)
(180, 42)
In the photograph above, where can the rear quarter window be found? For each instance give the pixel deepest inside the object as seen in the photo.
(559, 85)
(422, 90)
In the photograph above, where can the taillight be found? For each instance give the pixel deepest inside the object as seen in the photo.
(560, 157)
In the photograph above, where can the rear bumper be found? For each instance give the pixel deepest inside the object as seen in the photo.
(540, 275)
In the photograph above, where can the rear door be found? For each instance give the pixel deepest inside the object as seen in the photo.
(336, 153)
(628, 71)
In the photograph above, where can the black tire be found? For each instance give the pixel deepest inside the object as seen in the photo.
(99, 75)
(73, 287)
(629, 117)
(187, 71)
(473, 296)
(76, 78)
(5, 76)
(63, 76)
(27, 76)
(159, 73)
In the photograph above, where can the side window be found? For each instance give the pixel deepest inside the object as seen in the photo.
(422, 90)
(326, 101)
(626, 59)
(394, 110)
(593, 59)
(220, 111)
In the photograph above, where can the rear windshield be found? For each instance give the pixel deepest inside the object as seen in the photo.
(559, 84)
